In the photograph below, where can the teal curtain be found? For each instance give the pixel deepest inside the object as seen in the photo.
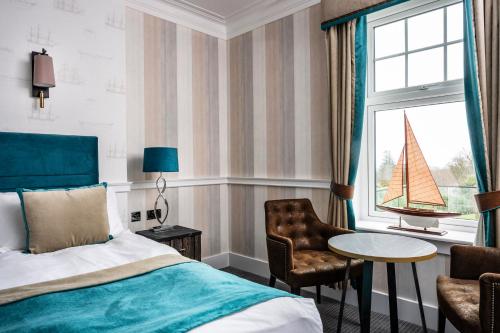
(359, 110)
(474, 115)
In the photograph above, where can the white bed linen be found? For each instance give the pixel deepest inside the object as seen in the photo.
(280, 315)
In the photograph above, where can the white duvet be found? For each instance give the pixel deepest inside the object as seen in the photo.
(285, 314)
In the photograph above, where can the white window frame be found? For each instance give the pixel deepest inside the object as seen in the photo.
(437, 93)
(414, 8)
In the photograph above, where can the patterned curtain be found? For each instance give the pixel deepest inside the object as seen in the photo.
(482, 90)
(346, 46)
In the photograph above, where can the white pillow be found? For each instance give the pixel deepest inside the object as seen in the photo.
(12, 230)
(115, 222)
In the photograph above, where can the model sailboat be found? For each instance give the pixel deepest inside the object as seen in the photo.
(413, 176)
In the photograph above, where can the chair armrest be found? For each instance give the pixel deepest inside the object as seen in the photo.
(280, 255)
(489, 302)
(469, 262)
(328, 231)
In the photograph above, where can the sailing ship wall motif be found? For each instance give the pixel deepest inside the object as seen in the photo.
(413, 176)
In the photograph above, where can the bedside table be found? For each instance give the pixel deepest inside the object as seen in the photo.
(185, 240)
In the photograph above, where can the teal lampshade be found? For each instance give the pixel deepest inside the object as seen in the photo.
(160, 159)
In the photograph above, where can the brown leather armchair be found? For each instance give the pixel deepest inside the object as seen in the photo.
(470, 297)
(297, 247)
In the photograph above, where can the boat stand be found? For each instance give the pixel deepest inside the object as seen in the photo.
(435, 232)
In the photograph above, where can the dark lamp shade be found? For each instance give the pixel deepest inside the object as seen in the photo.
(160, 159)
(43, 72)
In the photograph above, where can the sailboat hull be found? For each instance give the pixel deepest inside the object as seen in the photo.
(414, 212)
(419, 218)
(421, 221)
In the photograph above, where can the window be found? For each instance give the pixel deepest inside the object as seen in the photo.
(445, 147)
(415, 68)
(419, 50)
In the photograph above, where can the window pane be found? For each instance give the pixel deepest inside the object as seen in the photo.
(390, 39)
(390, 73)
(425, 29)
(445, 148)
(426, 67)
(454, 22)
(455, 61)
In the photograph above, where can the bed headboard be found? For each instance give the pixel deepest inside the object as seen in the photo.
(47, 161)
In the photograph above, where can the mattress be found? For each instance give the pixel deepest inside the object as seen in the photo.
(283, 314)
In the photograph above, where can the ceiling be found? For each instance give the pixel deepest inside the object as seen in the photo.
(222, 9)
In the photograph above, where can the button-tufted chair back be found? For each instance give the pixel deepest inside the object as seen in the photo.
(295, 219)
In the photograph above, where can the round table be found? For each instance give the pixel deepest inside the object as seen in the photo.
(387, 248)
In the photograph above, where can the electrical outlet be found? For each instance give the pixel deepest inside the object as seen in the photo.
(135, 216)
(151, 214)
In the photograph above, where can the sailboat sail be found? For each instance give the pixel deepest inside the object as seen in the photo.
(395, 189)
(421, 187)
(412, 170)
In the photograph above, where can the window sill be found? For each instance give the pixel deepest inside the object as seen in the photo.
(443, 243)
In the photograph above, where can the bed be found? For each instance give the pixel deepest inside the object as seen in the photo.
(166, 297)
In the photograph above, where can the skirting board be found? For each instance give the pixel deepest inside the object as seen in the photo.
(407, 309)
(217, 261)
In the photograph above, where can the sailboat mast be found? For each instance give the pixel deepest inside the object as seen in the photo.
(406, 161)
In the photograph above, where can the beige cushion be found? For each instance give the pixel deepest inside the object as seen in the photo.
(57, 219)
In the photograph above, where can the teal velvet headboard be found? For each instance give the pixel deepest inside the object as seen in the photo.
(47, 161)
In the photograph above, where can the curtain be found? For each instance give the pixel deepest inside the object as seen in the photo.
(337, 12)
(346, 44)
(482, 90)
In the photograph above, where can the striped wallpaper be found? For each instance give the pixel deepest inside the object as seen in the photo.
(278, 120)
(253, 106)
(279, 128)
(177, 96)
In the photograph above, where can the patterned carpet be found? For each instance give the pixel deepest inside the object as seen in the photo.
(329, 310)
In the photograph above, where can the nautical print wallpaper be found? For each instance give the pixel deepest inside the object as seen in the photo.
(87, 42)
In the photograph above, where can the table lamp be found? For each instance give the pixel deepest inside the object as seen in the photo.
(160, 159)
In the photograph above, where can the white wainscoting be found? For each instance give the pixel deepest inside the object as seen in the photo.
(251, 181)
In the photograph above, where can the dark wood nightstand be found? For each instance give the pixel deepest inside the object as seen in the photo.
(185, 240)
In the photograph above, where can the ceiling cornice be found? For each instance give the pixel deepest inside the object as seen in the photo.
(184, 13)
(197, 10)
(262, 13)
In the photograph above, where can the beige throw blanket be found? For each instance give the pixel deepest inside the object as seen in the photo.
(91, 279)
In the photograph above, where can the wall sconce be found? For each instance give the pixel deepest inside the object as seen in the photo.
(43, 75)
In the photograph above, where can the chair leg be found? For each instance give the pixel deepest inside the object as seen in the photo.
(441, 321)
(295, 291)
(344, 291)
(318, 294)
(272, 281)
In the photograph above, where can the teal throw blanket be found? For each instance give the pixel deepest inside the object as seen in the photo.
(171, 299)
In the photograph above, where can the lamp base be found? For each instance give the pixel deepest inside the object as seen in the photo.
(162, 228)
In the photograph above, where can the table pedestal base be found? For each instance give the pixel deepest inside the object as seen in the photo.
(365, 296)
